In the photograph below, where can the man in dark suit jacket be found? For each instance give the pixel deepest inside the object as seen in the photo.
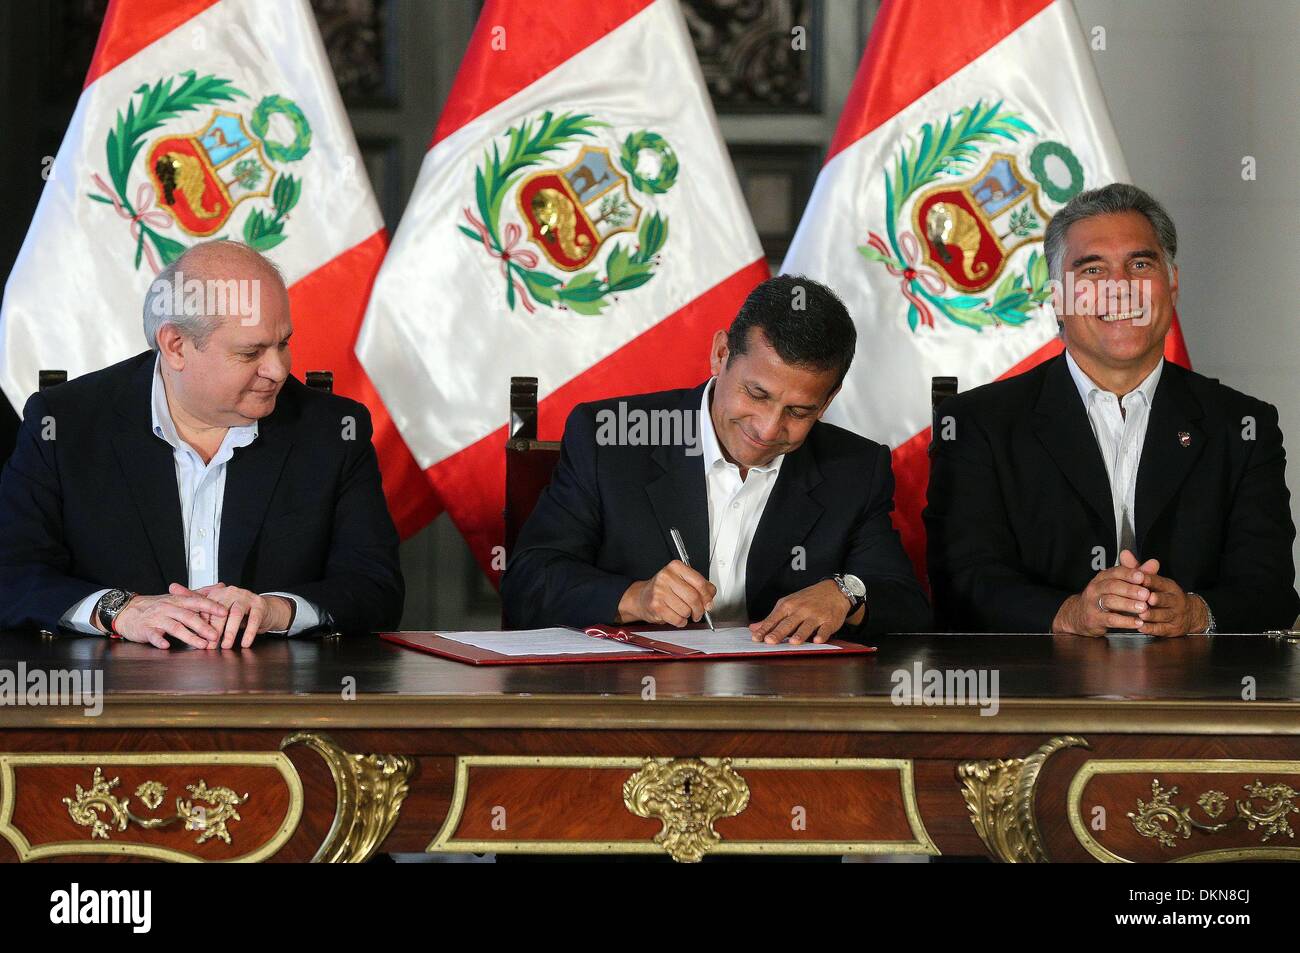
(785, 518)
(1107, 489)
(197, 490)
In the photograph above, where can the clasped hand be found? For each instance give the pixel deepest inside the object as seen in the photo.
(1134, 597)
(205, 618)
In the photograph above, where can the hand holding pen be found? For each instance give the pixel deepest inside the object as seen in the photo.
(675, 595)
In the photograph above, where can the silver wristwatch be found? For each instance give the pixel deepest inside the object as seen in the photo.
(110, 604)
(854, 590)
(1209, 614)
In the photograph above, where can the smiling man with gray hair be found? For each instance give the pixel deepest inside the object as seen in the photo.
(197, 491)
(1108, 489)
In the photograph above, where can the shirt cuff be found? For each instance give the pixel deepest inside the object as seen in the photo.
(78, 617)
(306, 614)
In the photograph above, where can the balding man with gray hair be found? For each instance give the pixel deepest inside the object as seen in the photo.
(1107, 489)
(197, 491)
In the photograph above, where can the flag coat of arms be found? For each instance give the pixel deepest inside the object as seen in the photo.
(576, 219)
(962, 135)
(199, 120)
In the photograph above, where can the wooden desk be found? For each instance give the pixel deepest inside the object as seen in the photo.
(1101, 749)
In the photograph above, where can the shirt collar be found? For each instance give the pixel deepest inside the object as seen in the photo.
(712, 449)
(165, 427)
(1087, 387)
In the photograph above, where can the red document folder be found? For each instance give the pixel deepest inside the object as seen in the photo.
(661, 649)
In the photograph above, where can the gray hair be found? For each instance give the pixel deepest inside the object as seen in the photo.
(1113, 199)
(163, 294)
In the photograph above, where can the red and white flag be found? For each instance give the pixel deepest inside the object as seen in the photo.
(576, 219)
(204, 119)
(966, 128)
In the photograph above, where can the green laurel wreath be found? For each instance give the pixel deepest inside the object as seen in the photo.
(586, 292)
(948, 151)
(260, 122)
(668, 165)
(158, 104)
(1038, 169)
(263, 232)
(1011, 301)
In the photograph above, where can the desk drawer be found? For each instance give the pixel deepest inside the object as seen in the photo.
(685, 806)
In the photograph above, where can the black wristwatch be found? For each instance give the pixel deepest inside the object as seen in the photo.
(109, 605)
(854, 590)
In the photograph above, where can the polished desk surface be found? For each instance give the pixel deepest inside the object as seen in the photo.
(380, 747)
(1170, 683)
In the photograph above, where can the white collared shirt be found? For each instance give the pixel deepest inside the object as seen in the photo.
(735, 508)
(202, 489)
(1120, 437)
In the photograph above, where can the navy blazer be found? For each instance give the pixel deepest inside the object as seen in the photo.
(88, 500)
(604, 520)
(1019, 504)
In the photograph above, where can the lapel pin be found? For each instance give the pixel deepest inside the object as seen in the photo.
(1184, 438)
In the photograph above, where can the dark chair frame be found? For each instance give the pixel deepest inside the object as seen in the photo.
(316, 380)
(529, 461)
(941, 388)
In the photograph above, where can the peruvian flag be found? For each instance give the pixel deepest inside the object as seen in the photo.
(576, 219)
(963, 133)
(204, 119)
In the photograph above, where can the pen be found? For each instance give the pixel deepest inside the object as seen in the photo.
(681, 554)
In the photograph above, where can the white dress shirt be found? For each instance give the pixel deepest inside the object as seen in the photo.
(735, 508)
(1120, 437)
(202, 489)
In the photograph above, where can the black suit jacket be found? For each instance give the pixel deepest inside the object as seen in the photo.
(98, 506)
(1019, 498)
(603, 523)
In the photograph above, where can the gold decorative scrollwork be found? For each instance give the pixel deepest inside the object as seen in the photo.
(1148, 818)
(85, 808)
(370, 790)
(1280, 801)
(209, 810)
(1000, 796)
(1213, 802)
(210, 820)
(151, 794)
(1151, 816)
(687, 795)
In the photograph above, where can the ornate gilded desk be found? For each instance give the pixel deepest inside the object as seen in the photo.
(333, 749)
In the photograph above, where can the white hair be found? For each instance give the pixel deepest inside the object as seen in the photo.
(161, 298)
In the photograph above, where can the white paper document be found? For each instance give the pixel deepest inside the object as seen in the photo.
(726, 640)
(542, 642)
